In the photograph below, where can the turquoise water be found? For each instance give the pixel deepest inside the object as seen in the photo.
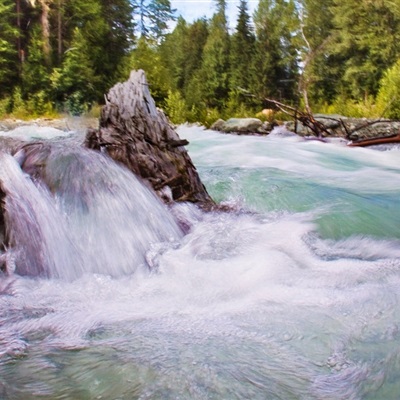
(295, 295)
(350, 191)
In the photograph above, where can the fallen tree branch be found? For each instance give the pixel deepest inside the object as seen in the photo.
(376, 141)
(306, 118)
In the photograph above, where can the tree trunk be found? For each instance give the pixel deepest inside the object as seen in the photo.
(380, 140)
(44, 21)
(59, 31)
(134, 132)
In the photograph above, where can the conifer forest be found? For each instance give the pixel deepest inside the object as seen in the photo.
(334, 56)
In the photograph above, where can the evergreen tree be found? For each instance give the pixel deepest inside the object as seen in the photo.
(147, 56)
(215, 63)
(173, 53)
(153, 17)
(45, 24)
(242, 52)
(160, 14)
(76, 83)
(181, 54)
(118, 41)
(108, 30)
(320, 71)
(35, 72)
(196, 39)
(8, 51)
(276, 57)
(367, 37)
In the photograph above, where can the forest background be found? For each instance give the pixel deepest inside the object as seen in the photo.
(334, 56)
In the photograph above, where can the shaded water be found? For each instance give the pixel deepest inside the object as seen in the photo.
(298, 299)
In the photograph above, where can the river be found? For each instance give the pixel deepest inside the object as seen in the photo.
(294, 295)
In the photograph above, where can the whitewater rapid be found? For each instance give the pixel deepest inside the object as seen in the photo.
(293, 296)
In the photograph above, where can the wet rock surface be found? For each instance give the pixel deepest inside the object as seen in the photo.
(350, 128)
(64, 124)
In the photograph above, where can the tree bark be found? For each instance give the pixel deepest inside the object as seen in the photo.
(59, 31)
(375, 141)
(44, 20)
(134, 132)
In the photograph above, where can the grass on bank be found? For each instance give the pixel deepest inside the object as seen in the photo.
(178, 112)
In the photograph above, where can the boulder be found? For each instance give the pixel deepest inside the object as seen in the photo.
(242, 125)
(349, 128)
(218, 125)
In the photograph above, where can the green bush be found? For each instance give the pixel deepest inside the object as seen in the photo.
(94, 111)
(176, 108)
(76, 104)
(388, 98)
(211, 115)
(17, 106)
(351, 108)
(4, 107)
(39, 105)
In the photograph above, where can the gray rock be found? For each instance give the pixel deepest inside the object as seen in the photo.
(242, 125)
(218, 125)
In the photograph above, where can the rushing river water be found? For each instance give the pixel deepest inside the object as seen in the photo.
(294, 296)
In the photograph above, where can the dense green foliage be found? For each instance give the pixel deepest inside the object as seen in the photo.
(336, 56)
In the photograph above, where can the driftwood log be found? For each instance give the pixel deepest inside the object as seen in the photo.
(376, 141)
(134, 132)
(320, 130)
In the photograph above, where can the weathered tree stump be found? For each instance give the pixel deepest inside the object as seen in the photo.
(134, 132)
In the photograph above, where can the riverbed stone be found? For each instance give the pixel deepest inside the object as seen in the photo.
(242, 125)
(218, 125)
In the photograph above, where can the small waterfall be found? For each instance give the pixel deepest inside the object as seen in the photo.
(96, 218)
(297, 299)
(37, 232)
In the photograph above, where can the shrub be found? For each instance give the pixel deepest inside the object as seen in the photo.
(351, 108)
(388, 98)
(17, 106)
(176, 108)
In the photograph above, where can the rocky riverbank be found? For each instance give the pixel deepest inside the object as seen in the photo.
(336, 126)
(350, 128)
(64, 124)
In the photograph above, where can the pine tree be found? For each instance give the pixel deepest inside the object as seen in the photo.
(76, 83)
(153, 17)
(242, 52)
(160, 14)
(147, 56)
(196, 40)
(181, 53)
(320, 69)
(276, 57)
(8, 50)
(367, 37)
(118, 40)
(35, 72)
(173, 53)
(215, 65)
(108, 31)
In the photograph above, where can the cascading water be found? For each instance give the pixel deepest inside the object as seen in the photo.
(296, 299)
(99, 217)
(37, 233)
